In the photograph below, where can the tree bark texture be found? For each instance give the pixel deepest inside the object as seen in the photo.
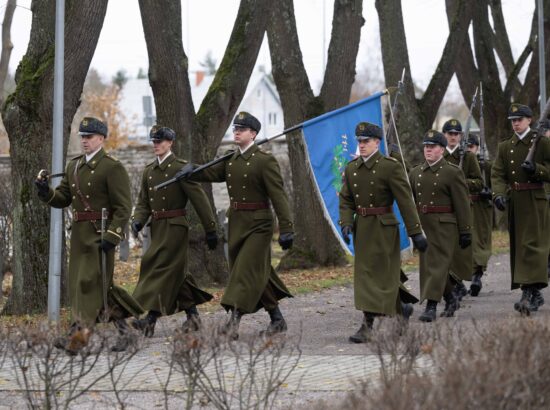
(27, 116)
(299, 104)
(7, 45)
(199, 134)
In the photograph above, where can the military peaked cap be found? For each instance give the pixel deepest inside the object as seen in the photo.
(159, 133)
(472, 140)
(91, 126)
(244, 119)
(452, 126)
(545, 124)
(519, 111)
(365, 130)
(433, 137)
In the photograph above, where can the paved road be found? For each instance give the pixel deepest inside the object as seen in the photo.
(321, 322)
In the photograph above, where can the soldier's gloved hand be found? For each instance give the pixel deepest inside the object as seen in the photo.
(529, 167)
(106, 246)
(186, 171)
(286, 239)
(500, 202)
(211, 240)
(136, 226)
(486, 193)
(465, 240)
(41, 183)
(420, 242)
(346, 232)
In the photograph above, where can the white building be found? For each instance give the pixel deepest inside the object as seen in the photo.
(261, 100)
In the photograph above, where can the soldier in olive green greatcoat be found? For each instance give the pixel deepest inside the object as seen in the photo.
(518, 185)
(461, 268)
(253, 180)
(483, 219)
(371, 183)
(546, 126)
(441, 196)
(165, 286)
(93, 181)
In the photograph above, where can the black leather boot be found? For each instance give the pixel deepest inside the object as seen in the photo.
(460, 291)
(406, 310)
(123, 339)
(430, 313)
(524, 304)
(476, 285)
(231, 328)
(193, 322)
(147, 324)
(451, 304)
(277, 324)
(536, 300)
(362, 335)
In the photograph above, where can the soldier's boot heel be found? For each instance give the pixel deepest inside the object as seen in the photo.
(124, 339)
(476, 285)
(362, 335)
(147, 324)
(525, 302)
(277, 324)
(451, 304)
(460, 291)
(537, 300)
(430, 313)
(231, 327)
(193, 322)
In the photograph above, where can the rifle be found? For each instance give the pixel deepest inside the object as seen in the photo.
(392, 128)
(184, 172)
(539, 133)
(482, 137)
(462, 145)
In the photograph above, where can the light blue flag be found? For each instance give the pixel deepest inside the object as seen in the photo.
(331, 144)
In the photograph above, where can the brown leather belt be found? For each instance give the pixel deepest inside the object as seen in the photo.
(526, 186)
(172, 213)
(434, 209)
(374, 211)
(249, 206)
(81, 216)
(475, 198)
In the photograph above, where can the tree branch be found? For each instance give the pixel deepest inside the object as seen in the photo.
(7, 45)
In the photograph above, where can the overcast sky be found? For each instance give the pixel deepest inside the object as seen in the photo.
(207, 26)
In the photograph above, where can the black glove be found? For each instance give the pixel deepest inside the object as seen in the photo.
(486, 193)
(500, 202)
(186, 171)
(286, 239)
(136, 226)
(346, 232)
(41, 183)
(465, 240)
(106, 246)
(529, 167)
(211, 240)
(420, 242)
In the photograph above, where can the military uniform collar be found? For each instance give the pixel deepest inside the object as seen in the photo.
(525, 140)
(168, 160)
(371, 161)
(435, 167)
(95, 159)
(248, 153)
(454, 153)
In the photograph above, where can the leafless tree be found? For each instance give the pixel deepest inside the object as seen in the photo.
(7, 45)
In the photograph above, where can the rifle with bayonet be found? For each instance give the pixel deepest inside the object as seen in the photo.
(462, 145)
(486, 192)
(190, 169)
(529, 164)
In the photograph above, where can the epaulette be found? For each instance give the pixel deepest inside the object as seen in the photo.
(181, 161)
(112, 158)
(354, 159)
(456, 166)
(152, 163)
(391, 159)
(77, 157)
(267, 152)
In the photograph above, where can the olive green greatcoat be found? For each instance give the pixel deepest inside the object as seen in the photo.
(528, 216)
(483, 224)
(463, 258)
(104, 183)
(165, 285)
(442, 184)
(253, 176)
(378, 182)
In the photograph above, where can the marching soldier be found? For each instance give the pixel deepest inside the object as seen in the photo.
(545, 124)
(518, 186)
(441, 196)
(461, 267)
(253, 180)
(483, 220)
(371, 184)
(165, 286)
(93, 181)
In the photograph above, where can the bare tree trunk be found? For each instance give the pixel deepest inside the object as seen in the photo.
(202, 133)
(416, 116)
(7, 45)
(27, 116)
(299, 104)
